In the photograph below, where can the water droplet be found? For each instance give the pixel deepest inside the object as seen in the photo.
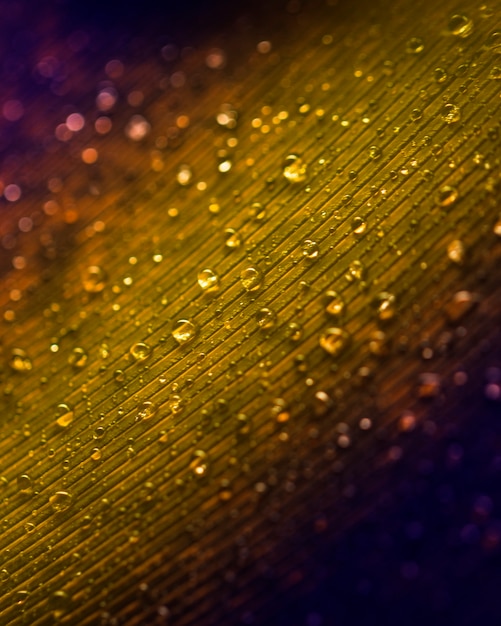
(199, 464)
(310, 249)
(359, 226)
(294, 331)
(439, 75)
(429, 385)
(208, 280)
(416, 114)
(334, 341)
(494, 42)
(78, 358)
(497, 228)
(176, 404)
(140, 351)
(94, 279)
(147, 410)
(322, 403)
(462, 303)
(279, 411)
(251, 278)
(294, 169)
(227, 116)
(375, 152)
(60, 501)
(456, 251)
(184, 331)
(414, 45)
(266, 318)
(20, 361)
(460, 26)
(184, 175)
(96, 454)
(24, 483)
(335, 304)
(451, 113)
(257, 211)
(356, 271)
(378, 344)
(232, 238)
(385, 306)
(64, 415)
(495, 73)
(446, 196)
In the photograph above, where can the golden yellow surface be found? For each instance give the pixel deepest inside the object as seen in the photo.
(358, 153)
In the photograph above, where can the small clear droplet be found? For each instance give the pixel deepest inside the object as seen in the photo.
(266, 318)
(461, 303)
(386, 306)
(20, 361)
(147, 410)
(497, 228)
(494, 42)
(414, 45)
(64, 415)
(176, 404)
(334, 341)
(140, 351)
(232, 238)
(294, 331)
(310, 249)
(451, 113)
(184, 331)
(24, 483)
(208, 280)
(356, 272)
(60, 501)
(429, 385)
(94, 279)
(251, 278)
(359, 226)
(439, 75)
(460, 26)
(294, 169)
(184, 175)
(227, 116)
(446, 196)
(78, 358)
(456, 251)
(416, 114)
(200, 463)
(335, 304)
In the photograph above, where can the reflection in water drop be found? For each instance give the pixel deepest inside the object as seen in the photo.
(334, 341)
(94, 279)
(60, 501)
(140, 351)
(199, 464)
(451, 113)
(184, 331)
(251, 278)
(310, 249)
(446, 196)
(208, 280)
(20, 361)
(460, 25)
(266, 318)
(147, 410)
(294, 169)
(64, 414)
